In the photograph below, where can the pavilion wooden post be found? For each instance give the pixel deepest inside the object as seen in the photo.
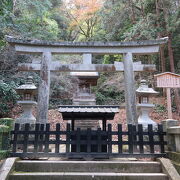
(130, 95)
(169, 105)
(44, 86)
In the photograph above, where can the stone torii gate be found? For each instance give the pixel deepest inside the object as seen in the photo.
(46, 49)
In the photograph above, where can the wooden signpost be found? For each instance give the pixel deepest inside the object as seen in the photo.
(168, 80)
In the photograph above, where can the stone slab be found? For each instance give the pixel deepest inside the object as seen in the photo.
(169, 169)
(167, 123)
(7, 167)
(88, 166)
(88, 176)
(174, 130)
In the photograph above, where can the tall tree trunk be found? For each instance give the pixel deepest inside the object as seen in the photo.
(162, 58)
(14, 5)
(163, 61)
(133, 19)
(170, 52)
(171, 58)
(142, 9)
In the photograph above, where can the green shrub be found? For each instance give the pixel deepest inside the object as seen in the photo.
(8, 98)
(4, 137)
(6, 125)
(7, 122)
(4, 133)
(109, 96)
(4, 129)
(3, 154)
(160, 108)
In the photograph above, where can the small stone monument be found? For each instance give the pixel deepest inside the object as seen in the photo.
(144, 106)
(83, 94)
(83, 97)
(27, 91)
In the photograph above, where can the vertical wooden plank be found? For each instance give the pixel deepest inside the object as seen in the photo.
(26, 137)
(99, 138)
(109, 139)
(120, 145)
(41, 138)
(72, 124)
(44, 86)
(37, 127)
(134, 138)
(151, 138)
(161, 137)
(88, 140)
(68, 136)
(46, 149)
(169, 105)
(104, 124)
(58, 127)
(130, 138)
(141, 139)
(15, 137)
(130, 95)
(78, 140)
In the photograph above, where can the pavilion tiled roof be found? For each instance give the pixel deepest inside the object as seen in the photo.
(86, 112)
(86, 109)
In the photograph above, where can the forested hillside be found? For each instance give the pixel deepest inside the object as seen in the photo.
(87, 20)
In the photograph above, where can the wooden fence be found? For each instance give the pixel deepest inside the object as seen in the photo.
(41, 141)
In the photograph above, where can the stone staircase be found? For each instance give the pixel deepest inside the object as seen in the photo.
(87, 170)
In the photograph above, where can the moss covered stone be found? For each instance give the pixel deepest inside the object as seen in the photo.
(4, 154)
(6, 125)
(175, 157)
(7, 122)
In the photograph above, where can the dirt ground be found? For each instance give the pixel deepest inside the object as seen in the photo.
(120, 118)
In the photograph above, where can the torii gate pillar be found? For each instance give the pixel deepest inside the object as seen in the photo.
(130, 96)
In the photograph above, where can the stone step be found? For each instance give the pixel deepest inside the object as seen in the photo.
(88, 166)
(87, 176)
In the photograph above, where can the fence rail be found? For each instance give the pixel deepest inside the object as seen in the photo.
(41, 141)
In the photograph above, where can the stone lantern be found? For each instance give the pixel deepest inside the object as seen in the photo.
(27, 91)
(144, 106)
